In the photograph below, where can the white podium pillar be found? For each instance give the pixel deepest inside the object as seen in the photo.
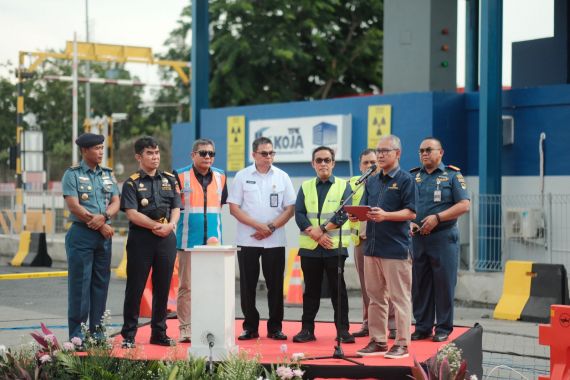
(213, 300)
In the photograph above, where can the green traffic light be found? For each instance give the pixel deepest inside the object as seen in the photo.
(444, 64)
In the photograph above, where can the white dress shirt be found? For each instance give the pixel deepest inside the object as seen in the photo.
(254, 192)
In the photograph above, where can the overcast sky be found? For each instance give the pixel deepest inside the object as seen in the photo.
(38, 25)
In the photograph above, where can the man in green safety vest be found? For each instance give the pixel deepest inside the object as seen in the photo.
(319, 241)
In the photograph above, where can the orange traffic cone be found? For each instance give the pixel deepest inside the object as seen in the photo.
(295, 290)
(146, 301)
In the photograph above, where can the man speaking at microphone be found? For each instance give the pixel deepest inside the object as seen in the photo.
(391, 194)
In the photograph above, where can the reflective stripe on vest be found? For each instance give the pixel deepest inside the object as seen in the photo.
(355, 226)
(195, 216)
(332, 201)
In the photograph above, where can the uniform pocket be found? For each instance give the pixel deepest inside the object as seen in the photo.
(251, 193)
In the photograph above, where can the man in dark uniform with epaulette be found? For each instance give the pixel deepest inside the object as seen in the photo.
(443, 198)
(92, 197)
(151, 200)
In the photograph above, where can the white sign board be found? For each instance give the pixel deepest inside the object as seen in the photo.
(294, 139)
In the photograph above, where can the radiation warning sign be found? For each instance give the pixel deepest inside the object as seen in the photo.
(379, 123)
(236, 143)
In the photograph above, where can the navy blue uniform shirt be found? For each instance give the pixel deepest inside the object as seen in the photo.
(449, 181)
(393, 191)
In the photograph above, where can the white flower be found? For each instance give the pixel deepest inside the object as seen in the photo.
(283, 348)
(76, 341)
(50, 338)
(297, 356)
(68, 346)
(473, 377)
(3, 350)
(45, 359)
(298, 373)
(284, 372)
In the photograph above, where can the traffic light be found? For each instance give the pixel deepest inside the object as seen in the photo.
(12, 156)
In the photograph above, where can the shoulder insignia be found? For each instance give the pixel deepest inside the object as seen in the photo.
(106, 168)
(452, 167)
(415, 169)
(74, 167)
(169, 174)
(135, 176)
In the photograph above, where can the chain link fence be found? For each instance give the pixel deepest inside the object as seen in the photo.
(518, 227)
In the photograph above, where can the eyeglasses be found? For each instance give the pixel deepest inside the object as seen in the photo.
(266, 154)
(325, 160)
(204, 153)
(371, 162)
(427, 150)
(384, 151)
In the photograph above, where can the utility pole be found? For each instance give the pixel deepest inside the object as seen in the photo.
(87, 66)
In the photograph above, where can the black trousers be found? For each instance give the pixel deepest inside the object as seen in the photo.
(273, 266)
(313, 270)
(145, 250)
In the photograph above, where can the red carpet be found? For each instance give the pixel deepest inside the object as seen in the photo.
(269, 350)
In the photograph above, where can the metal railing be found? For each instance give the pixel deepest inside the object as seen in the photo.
(530, 227)
(45, 212)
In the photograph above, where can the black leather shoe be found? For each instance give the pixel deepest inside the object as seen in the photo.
(440, 337)
(418, 335)
(162, 341)
(345, 337)
(248, 335)
(361, 333)
(392, 334)
(304, 336)
(277, 335)
(127, 343)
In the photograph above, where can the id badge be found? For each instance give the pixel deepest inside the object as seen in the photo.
(273, 200)
(437, 195)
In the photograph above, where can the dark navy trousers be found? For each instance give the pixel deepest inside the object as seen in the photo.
(89, 271)
(434, 279)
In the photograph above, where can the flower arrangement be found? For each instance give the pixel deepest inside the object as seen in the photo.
(46, 358)
(446, 365)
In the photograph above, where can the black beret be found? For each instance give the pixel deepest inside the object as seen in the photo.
(87, 140)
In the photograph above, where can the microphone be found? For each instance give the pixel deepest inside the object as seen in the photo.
(367, 174)
(211, 339)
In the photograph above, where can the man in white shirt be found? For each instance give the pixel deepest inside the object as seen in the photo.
(262, 199)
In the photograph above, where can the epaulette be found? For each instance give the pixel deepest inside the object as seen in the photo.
(106, 168)
(75, 167)
(413, 170)
(453, 167)
(170, 174)
(135, 176)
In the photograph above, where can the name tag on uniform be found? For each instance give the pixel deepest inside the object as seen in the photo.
(437, 195)
(252, 182)
(273, 200)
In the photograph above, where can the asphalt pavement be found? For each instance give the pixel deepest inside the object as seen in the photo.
(510, 348)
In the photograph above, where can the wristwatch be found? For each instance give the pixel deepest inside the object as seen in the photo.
(107, 216)
(323, 228)
(271, 227)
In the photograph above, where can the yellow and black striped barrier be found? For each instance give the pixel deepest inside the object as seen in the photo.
(529, 289)
(32, 250)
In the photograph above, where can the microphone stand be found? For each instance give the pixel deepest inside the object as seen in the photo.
(338, 352)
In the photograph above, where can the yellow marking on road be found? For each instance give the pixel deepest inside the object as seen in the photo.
(23, 276)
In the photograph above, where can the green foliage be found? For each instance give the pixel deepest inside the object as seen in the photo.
(284, 50)
(239, 367)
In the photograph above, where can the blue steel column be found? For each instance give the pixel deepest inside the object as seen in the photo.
(490, 135)
(472, 46)
(200, 63)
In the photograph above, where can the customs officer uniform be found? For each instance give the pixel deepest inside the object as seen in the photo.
(154, 197)
(436, 254)
(88, 252)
